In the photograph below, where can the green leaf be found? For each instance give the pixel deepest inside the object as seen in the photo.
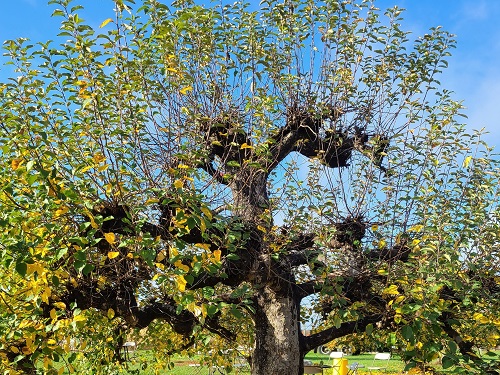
(87, 269)
(236, 313)
(407, 333)
(212, 310)
(55, 280)
(29, 165)
(447, 362)
(369, 329)
(21, 268)
(79, 265)
(60, 252)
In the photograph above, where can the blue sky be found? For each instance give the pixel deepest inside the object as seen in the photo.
(473, 73)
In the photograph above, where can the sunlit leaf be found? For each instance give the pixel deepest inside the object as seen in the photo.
(16, 163)
(185, 90)
(181, 283)
(110, 237)
(113, 254)
(105, 22)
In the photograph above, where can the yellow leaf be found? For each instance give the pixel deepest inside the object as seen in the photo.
(391, 290)
(25, 323)
(184, 90)
(98, 157)
(85, 169)
(467, 161)
(35, 267)
(261, 228)
(204, 246)
(15, 163)
(102, 167)
(105, 22)
(217, 254)
(183, 166)
(181, 283)
(399, 299)
(79, 318)
(178, 184)
(29, 342)
(26, 350)
(14, 349)
(244, 146)
(207, 212)
(111, 313)
(130, 256)
(113, 254)
(161, 255)
(46, 294)
(61, 211)
(479, 317)
(51, 342)
(47, 362)
(53, 314)
(110, 237)
(416, 228)
(181, 266)
(93, 224)
(60, 305)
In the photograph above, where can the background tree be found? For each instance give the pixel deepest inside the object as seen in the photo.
(228, 171)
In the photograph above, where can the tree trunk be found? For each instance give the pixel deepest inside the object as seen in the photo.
(277, 334)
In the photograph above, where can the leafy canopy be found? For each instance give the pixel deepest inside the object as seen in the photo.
(154, 168)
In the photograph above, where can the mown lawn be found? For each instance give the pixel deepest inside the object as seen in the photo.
(395, 366)
(181, 365)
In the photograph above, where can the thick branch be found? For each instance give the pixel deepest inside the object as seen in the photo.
(465, 347)
(329, 334)
(447, 318)
(182, 323)
(300, 133)
(397, 252)
(226, 139)
(309, 288)
(315, 133)
(217, 175)
(300, 250)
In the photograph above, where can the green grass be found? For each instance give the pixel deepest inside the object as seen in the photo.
(181, 367)
(395, 365)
